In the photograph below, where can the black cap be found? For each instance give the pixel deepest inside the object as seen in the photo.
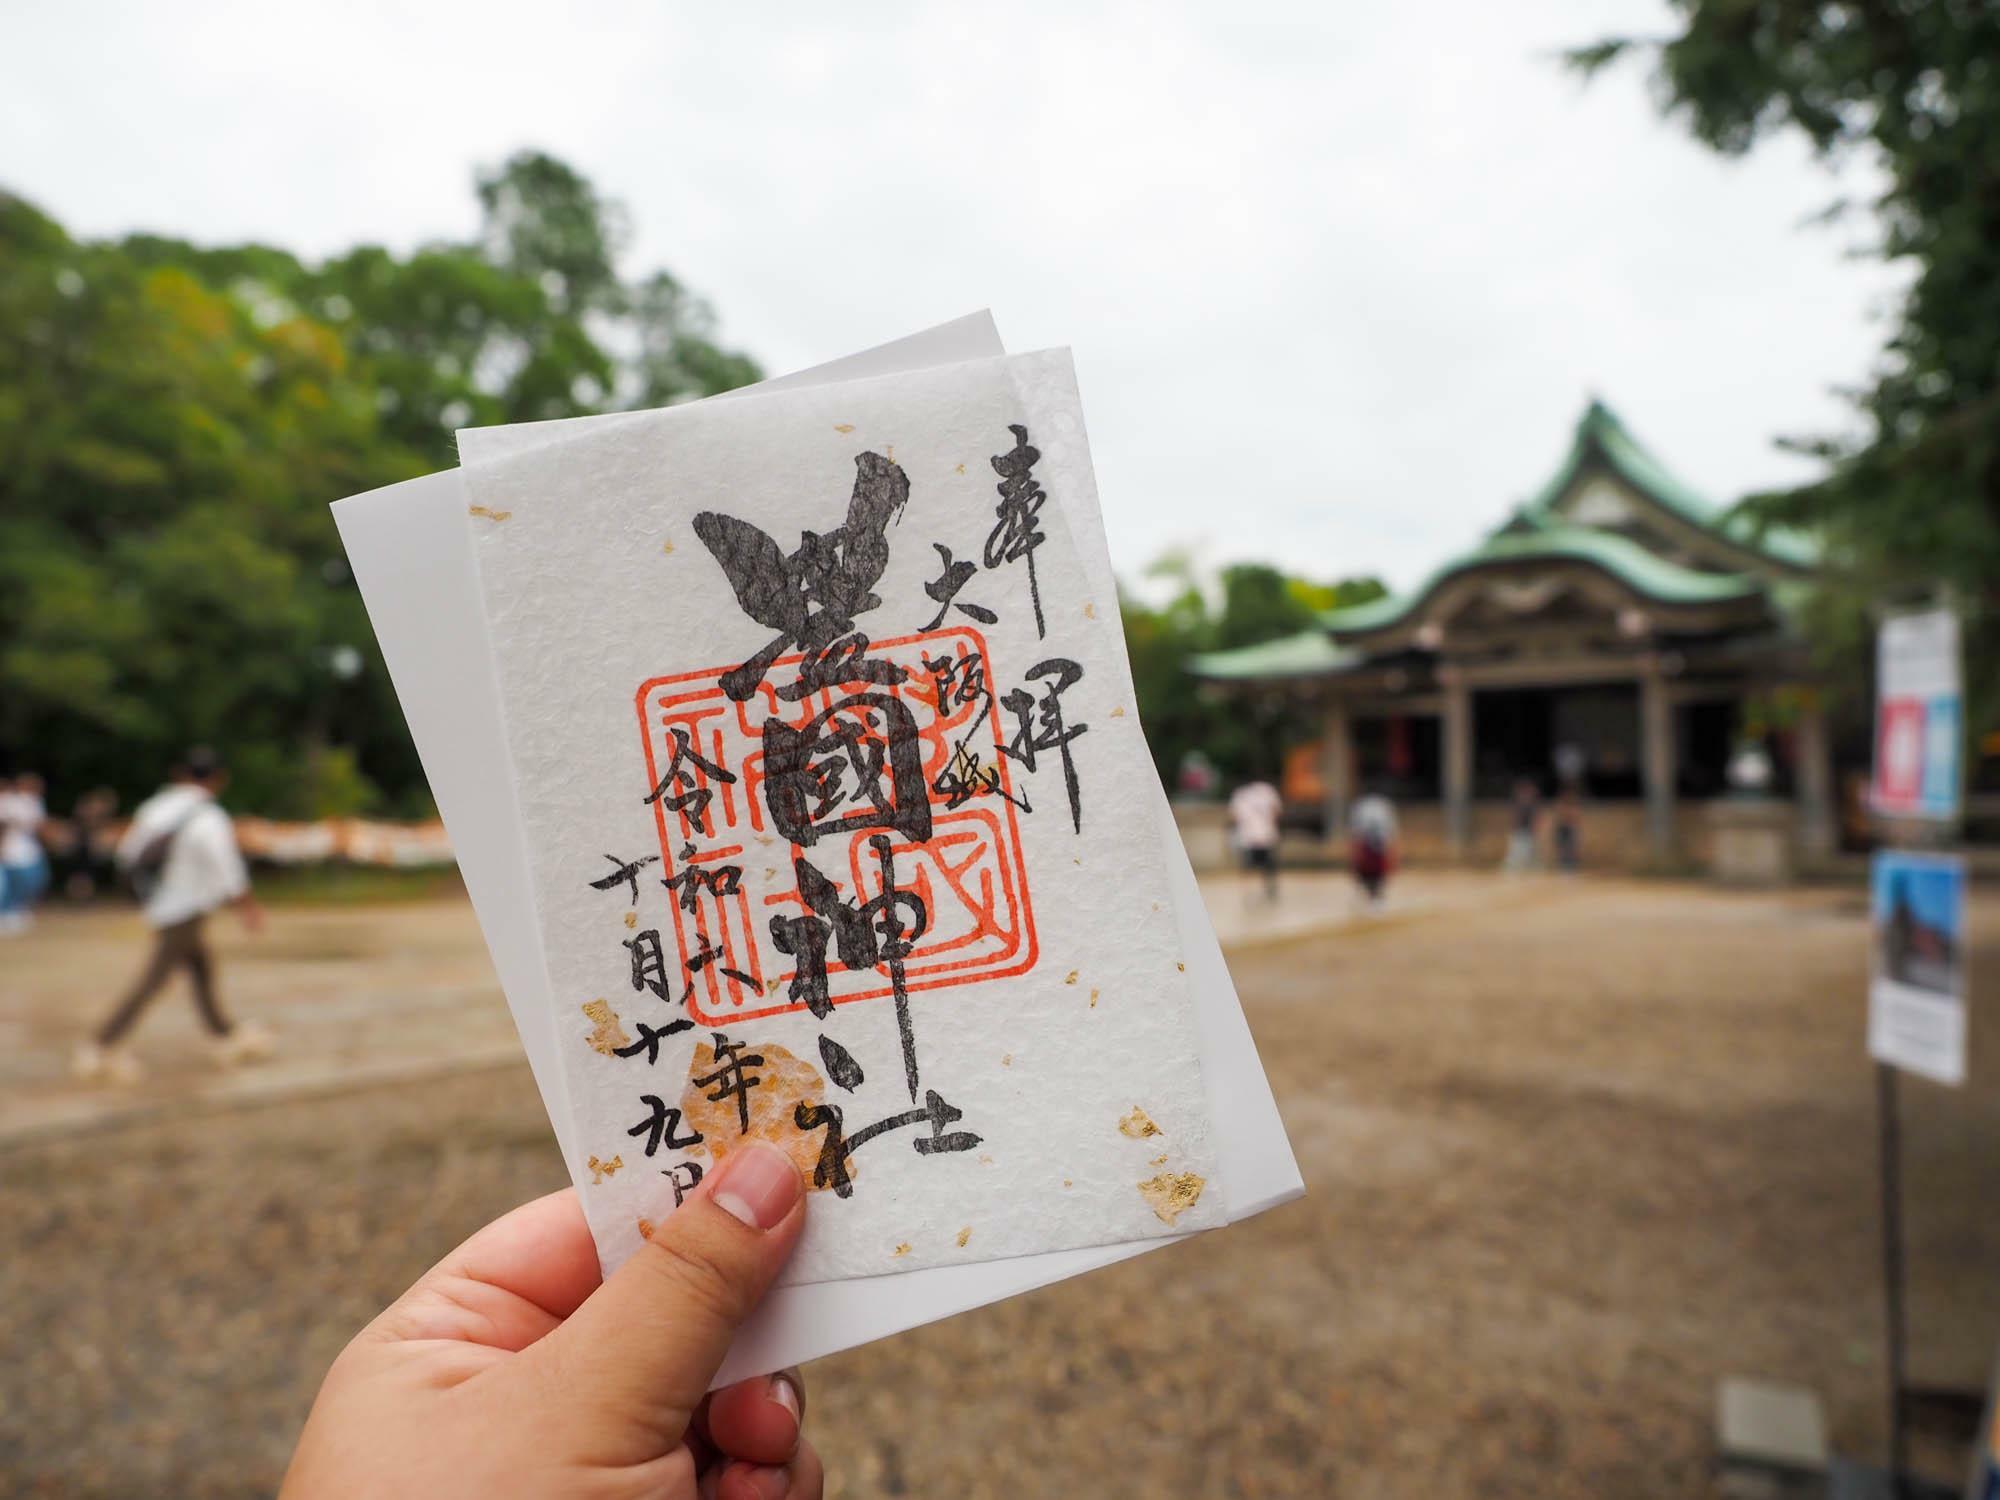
(203, 764)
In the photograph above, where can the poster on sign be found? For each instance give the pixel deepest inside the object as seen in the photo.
(1916, 996)
(1918, 717)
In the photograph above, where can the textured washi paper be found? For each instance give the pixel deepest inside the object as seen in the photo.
(410, 550)
(840, 826)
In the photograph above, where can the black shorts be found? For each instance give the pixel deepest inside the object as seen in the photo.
(1260, 859)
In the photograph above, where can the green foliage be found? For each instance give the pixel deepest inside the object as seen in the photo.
(1258, 603)
(1911, 502)
(175, 419)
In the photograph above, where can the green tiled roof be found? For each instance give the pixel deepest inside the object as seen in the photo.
(1646, 573)
(1599, 428)
(1536, 532)
(1307, 654)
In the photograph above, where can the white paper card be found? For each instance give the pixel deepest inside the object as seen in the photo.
(1020, 1116)
(410, 552)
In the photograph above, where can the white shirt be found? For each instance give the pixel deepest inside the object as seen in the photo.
(1253, 813)
(21, 813)
(204, 868)
(1373, 817)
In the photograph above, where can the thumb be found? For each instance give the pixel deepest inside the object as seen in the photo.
(635, 1359)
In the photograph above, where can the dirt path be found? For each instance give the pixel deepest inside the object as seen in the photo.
(1570, 1159)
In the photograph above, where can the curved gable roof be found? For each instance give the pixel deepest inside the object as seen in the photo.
(1645, 573)
(1599, 431)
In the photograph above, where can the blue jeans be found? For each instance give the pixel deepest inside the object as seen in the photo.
(21, 885)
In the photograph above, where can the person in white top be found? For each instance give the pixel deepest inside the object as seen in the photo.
(1253, 821)
(181, 855)
(24, 869)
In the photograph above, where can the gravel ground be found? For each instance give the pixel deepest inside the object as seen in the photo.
(1569, 1161)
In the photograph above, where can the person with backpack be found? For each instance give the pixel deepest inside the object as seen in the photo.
(181, 857)
(1372, 822)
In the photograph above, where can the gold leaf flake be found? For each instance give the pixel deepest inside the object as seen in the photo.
(985, 1161)
(1137, 1124)
(964, 1235)
(1093, 999)
(491, 515)
(889, 452)
(786, 1084)
(599, 1170)
(1159, 1161)
(1118, 712)
(1181, 967)
(667, 548)
(1006, 1059)
(1070, 977)
(1090, 611)
(961, 468)
(770, 987)
(646, 1227)
(607, 1036)
(902, 1249)
(631, 920)
(1172, 1194)
(1066, 1182)
(843, 427)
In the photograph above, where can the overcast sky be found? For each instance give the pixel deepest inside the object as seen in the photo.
(1339, 277)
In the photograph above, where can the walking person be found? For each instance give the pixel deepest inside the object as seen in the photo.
(93, 855)
(1372, 821)
(24, 867)
(1566, 831)
(1522, 853)
(1253, 823)
(181, 855)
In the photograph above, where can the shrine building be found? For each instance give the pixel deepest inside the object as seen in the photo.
(1617, 631)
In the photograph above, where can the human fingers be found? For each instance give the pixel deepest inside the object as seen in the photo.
(758, 1420)
(508, 1285)
(802, 1479)
(634, 1360)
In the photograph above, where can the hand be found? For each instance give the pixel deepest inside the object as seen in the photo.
(252, 914)
(509, 1370)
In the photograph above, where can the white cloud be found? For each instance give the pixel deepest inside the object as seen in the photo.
(1338, 278)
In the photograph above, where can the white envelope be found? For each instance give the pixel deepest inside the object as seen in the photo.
(411, 554)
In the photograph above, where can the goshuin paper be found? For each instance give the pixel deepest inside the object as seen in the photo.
(841, 828)
(411, 551)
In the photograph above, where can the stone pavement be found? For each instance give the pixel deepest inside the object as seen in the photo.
(363, 995)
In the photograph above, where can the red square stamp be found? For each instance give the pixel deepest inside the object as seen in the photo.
(746, 793)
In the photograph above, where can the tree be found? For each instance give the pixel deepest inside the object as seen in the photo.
(1911, 501)
(175, 419)
(1258, 603)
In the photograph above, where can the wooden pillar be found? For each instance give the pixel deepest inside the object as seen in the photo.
(1457, 735)
(1337, 765)
(1813, 776)
(1657, 749)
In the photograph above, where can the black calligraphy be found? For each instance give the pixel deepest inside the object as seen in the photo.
(694, 801)
(836, 1146)
(732, 1077)
(1017, 529)
(663, 1127)
(1040, 727)
(812, 596)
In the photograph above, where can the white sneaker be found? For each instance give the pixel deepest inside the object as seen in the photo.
(92, 1063)
(247, 1042)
